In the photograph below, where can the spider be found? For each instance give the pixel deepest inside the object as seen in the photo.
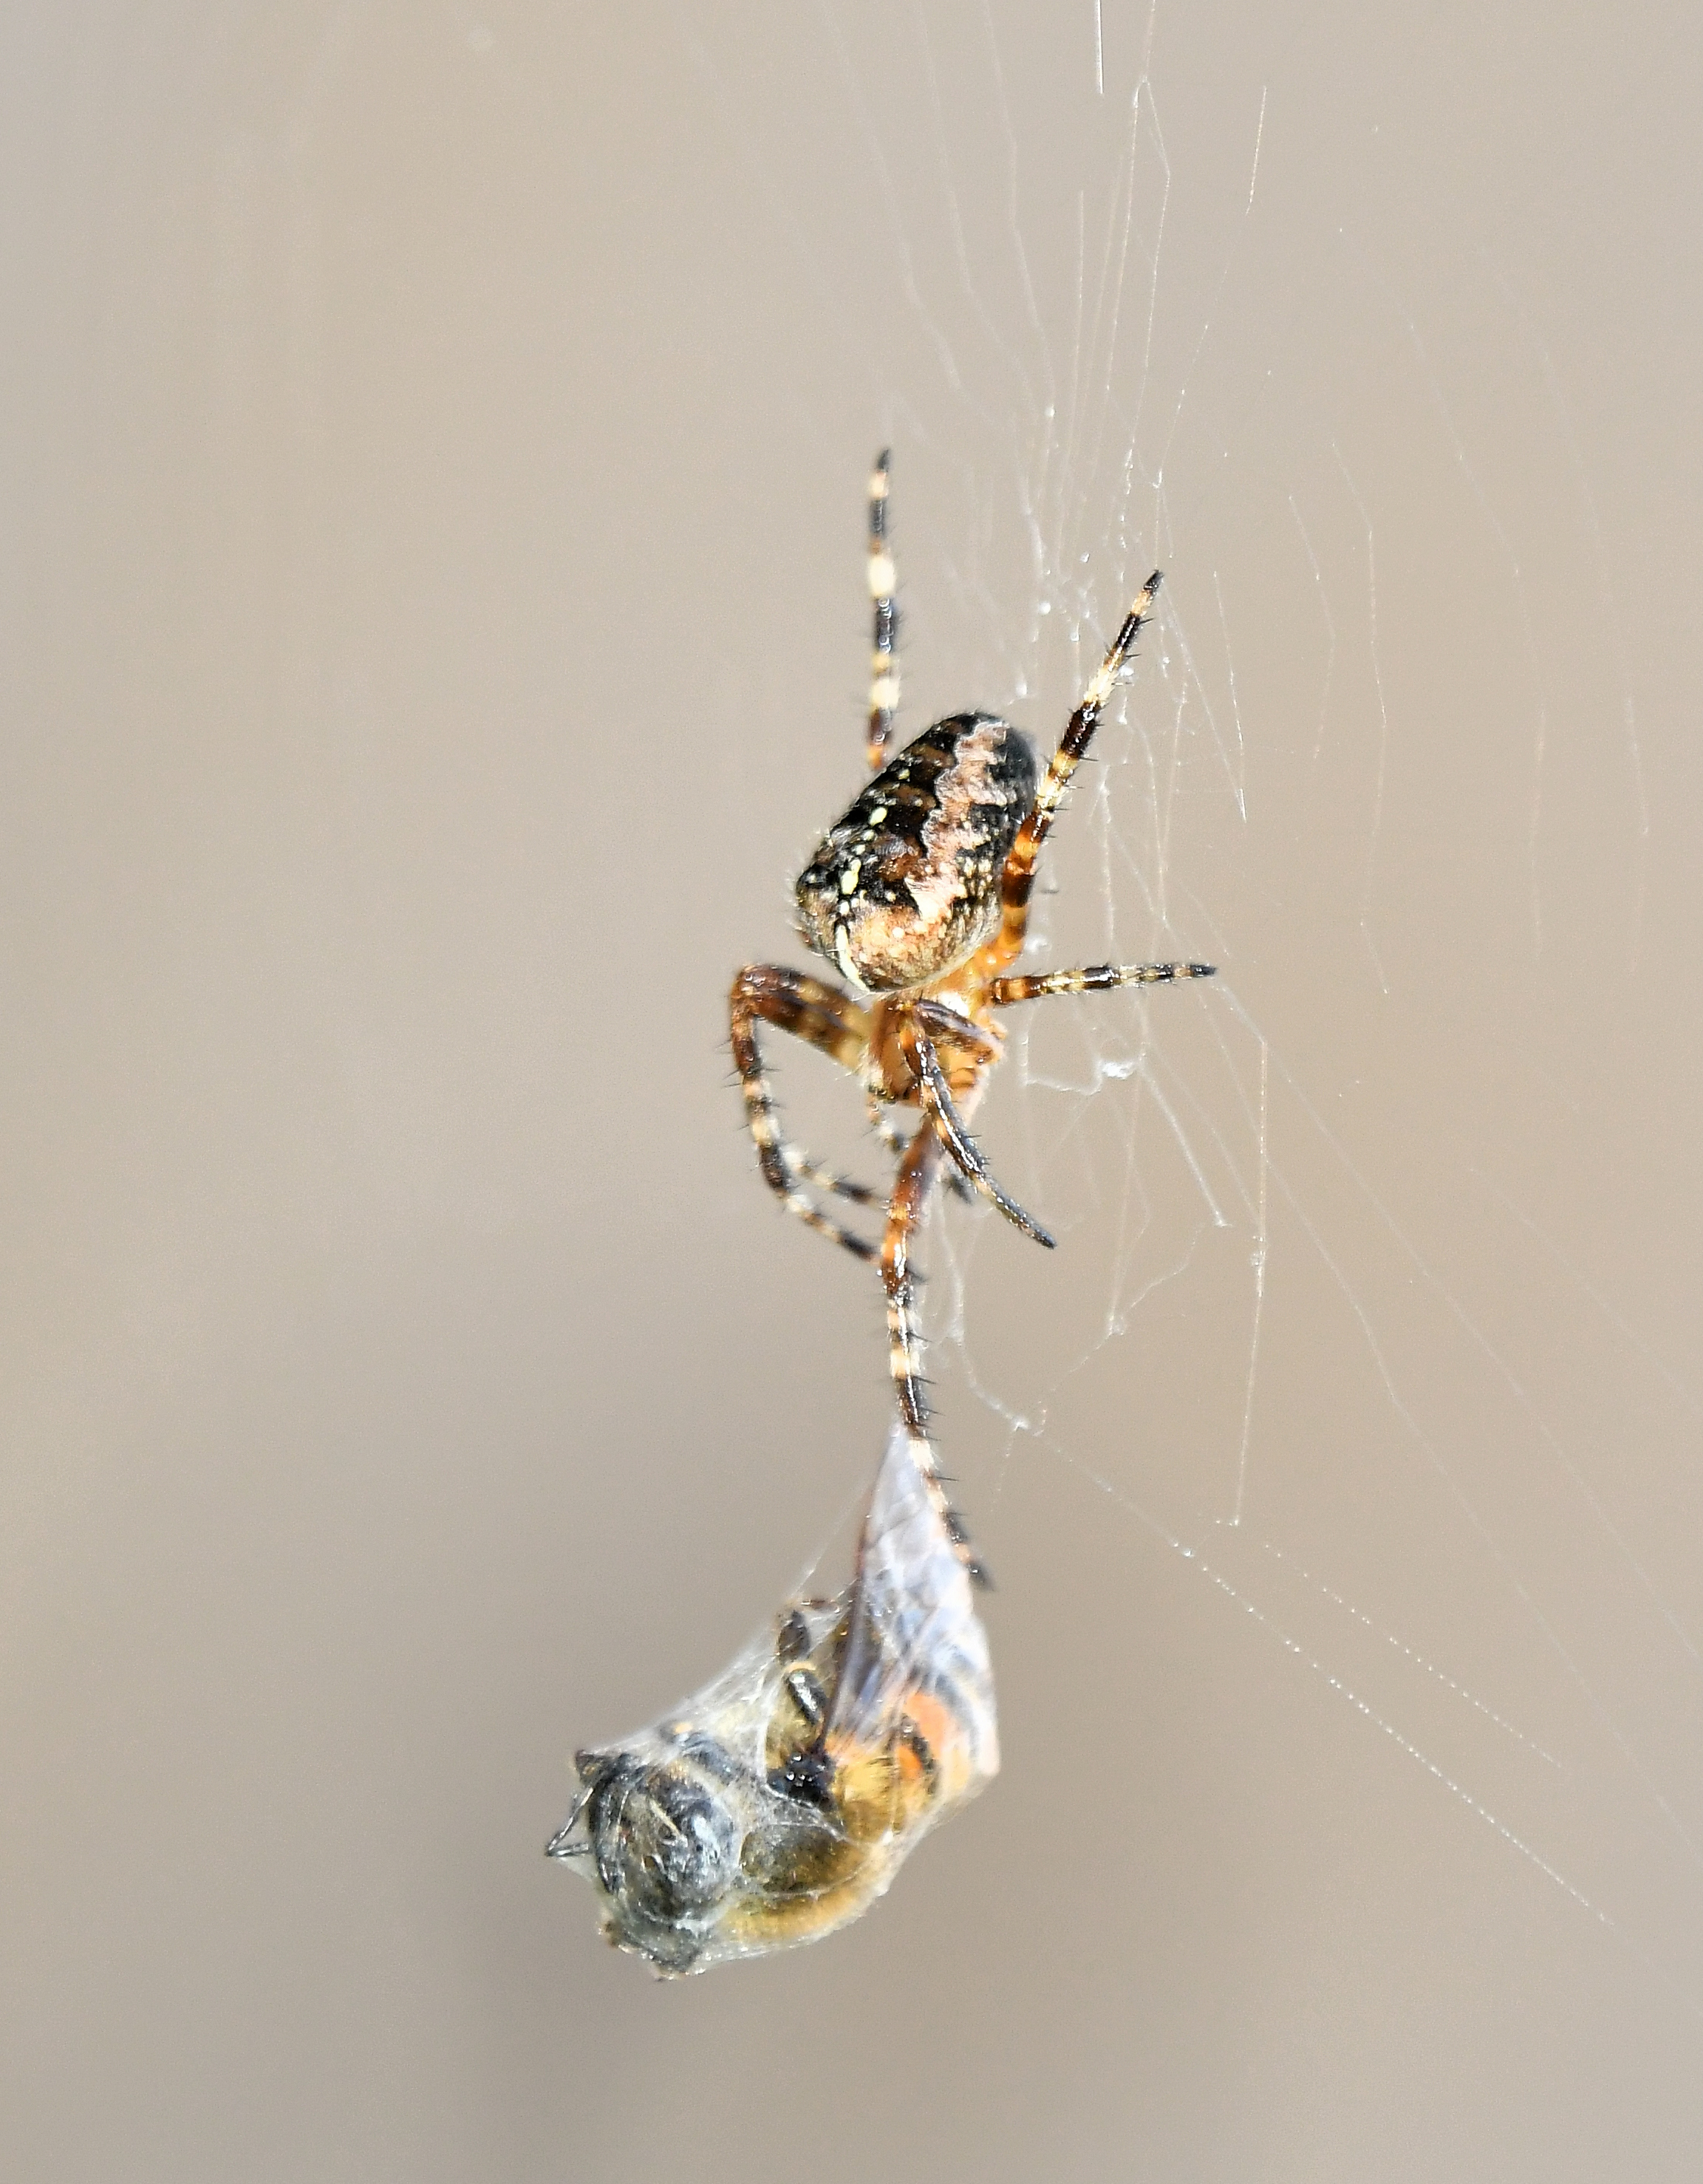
(920, 896)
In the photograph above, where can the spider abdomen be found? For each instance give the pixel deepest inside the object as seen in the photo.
(907, 884)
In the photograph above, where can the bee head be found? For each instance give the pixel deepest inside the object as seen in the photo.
(665, 1846)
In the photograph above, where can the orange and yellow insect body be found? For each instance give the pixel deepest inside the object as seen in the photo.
(779, 1802)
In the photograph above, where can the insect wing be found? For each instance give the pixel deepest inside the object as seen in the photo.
(917, 1651)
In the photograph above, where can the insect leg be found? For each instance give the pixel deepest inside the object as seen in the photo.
(884, 666)
(948, 1127)
(825, 1018)
(1095, 979)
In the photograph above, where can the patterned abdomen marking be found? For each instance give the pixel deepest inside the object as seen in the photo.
(907, 884)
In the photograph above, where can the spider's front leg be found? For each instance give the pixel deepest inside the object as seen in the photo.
(1017, 880)
(883, 665)
(825, 1018)
(944, 1121)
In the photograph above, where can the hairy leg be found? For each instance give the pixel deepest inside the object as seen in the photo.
(1095, 979)
(960, 1147)
(1017, 881)
(899, 1277)
(883, 665)
(905, 1213)
(827, 1019)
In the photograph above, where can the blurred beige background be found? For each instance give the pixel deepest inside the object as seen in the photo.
(433, 634)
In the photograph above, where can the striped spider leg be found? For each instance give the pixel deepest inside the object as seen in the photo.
(883, 666)
(829, 1020)
(811, 1010)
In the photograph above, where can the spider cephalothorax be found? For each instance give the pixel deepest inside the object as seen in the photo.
(920, 896)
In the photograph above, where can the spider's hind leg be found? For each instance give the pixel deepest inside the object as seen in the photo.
(825, 1018)
(899, 1277)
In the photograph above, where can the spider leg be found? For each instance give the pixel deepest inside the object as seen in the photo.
(948, 1127)
(905, 1211)
(1095, 979)
(1017, 881)
(946, 1026)
(883, 665)
(831, 1180)
(949, 1028)
(899, 1278)
(826, 1018)
(898, 1144)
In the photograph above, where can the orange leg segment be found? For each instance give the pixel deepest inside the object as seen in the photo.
(828, 1020)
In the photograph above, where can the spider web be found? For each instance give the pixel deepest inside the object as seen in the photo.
(1335, 1327)
(440, 437)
